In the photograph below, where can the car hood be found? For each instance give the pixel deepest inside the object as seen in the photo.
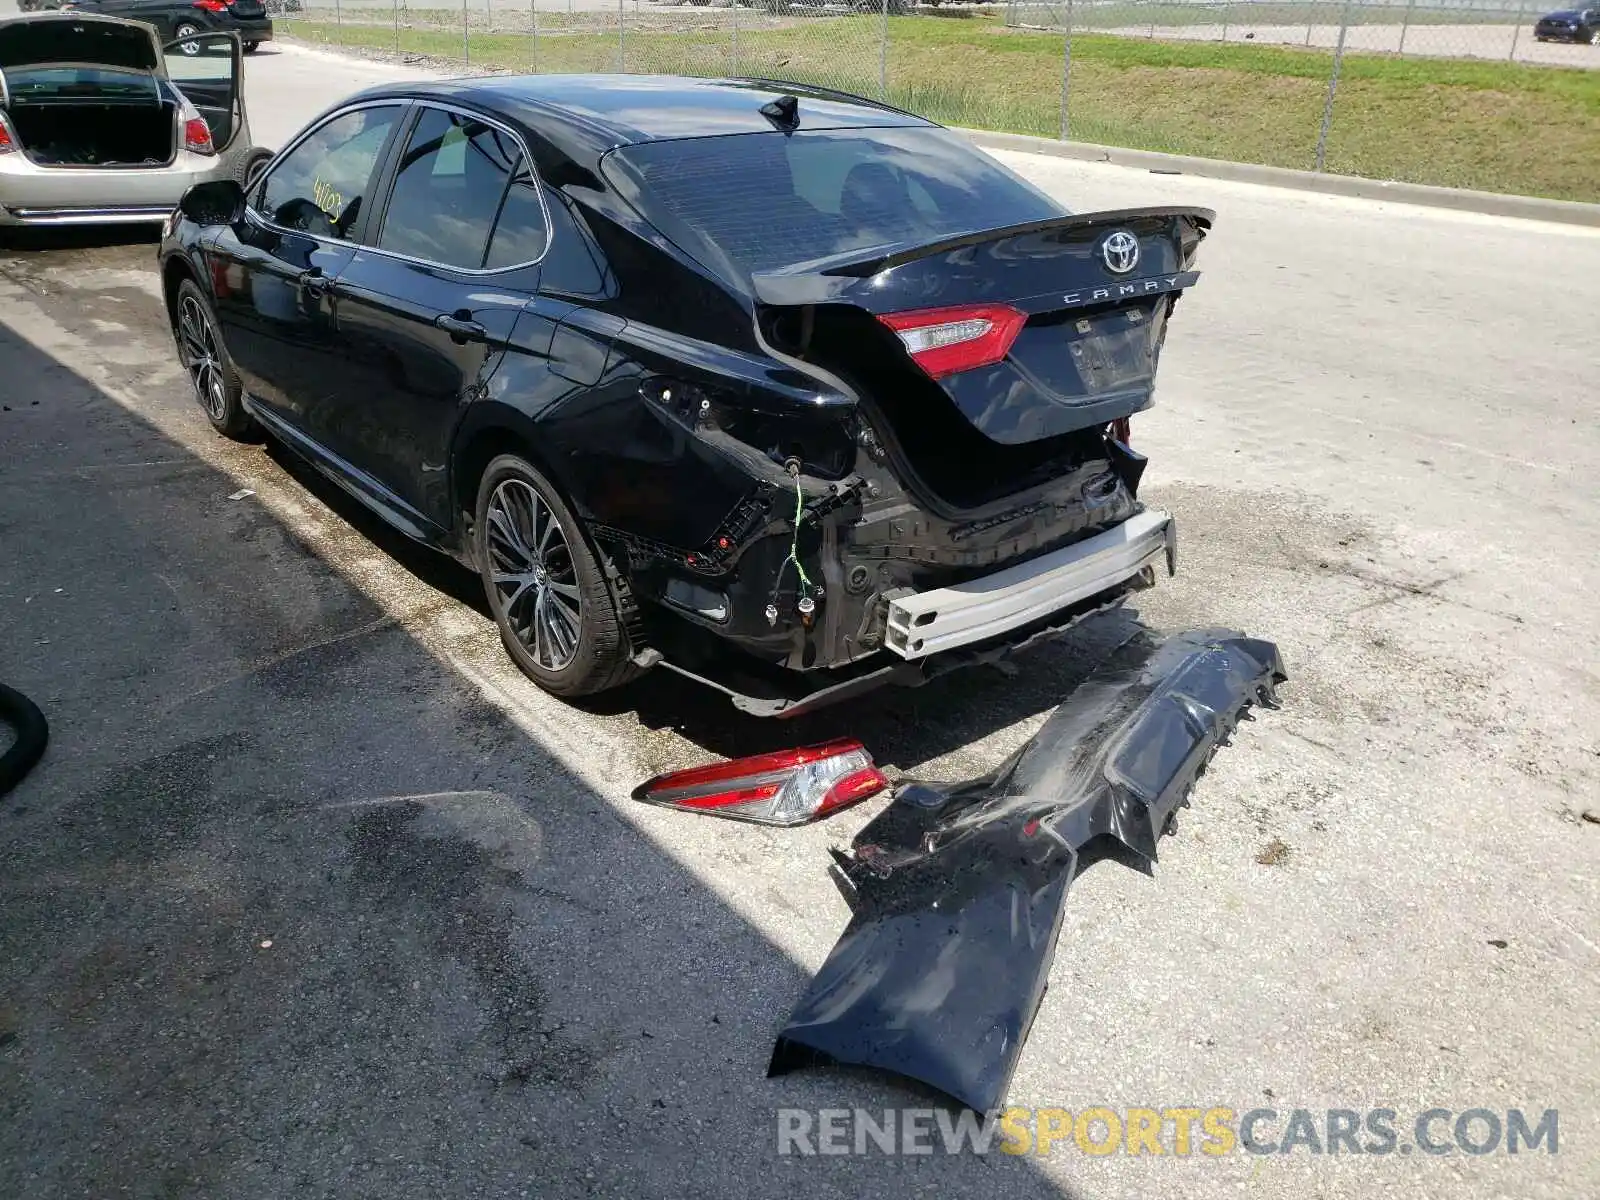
(41, 39)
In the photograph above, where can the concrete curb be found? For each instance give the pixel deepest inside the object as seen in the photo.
(1531, 208)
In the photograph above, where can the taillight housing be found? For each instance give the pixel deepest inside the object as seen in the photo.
(786, 787)
(945, 341)
(197, 136)
(8, 140)
(211, 6)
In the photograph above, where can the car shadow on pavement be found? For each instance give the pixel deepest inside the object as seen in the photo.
(78, 237)
(290, 907)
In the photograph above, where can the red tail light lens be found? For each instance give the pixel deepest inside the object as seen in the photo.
(788, 787)
(211, 6)
(197, 136)
(8, 143)
(944, 341)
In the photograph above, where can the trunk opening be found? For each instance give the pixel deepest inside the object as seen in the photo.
(991, 362)
(97, 134)
(959, 466)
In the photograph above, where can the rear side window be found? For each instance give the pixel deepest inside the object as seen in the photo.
(521, 234)
(756, 201)
(449, 189)
(319, 186)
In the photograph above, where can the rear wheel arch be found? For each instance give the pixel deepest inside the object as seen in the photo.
(479, 444)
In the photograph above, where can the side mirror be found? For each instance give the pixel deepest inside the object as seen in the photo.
(219, 202)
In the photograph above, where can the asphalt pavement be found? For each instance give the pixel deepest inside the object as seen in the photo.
(315, 895)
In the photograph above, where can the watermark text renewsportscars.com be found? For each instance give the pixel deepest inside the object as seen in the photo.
(1182, 1131)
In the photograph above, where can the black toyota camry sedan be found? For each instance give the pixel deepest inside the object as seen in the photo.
(779, 388)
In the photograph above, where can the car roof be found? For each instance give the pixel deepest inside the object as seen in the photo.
(586, 115)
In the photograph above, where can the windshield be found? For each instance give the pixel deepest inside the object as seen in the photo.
(751, 202)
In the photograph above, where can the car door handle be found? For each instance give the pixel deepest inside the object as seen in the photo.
(461, 329)
(315, 282)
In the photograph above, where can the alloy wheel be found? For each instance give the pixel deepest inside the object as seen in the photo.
(189, 48)
(202, 358)
(534, 577)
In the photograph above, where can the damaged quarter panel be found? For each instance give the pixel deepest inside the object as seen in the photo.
(958, 891)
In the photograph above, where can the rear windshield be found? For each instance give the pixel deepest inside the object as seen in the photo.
(750, 202)
(71, 83)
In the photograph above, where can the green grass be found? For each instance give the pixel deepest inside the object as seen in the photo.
(1494, 126)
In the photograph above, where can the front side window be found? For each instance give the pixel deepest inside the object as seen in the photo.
(319, 186)
(449, 190)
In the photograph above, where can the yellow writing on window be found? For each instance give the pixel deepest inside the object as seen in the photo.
(329, 199)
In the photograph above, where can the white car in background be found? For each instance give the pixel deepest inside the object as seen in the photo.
(100, 124)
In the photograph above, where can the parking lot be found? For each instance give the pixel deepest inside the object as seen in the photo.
(316, 895)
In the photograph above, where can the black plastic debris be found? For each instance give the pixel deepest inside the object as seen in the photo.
(958, 891)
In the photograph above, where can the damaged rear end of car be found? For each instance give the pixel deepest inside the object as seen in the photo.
(933, 453)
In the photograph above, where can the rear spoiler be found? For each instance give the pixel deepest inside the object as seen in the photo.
(826, 279)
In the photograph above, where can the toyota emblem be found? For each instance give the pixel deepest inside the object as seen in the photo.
(1121, 252)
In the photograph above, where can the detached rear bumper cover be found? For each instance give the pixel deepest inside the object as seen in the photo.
(958, 891)
(943, 619)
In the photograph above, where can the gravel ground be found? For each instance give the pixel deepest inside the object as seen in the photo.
(314, 895)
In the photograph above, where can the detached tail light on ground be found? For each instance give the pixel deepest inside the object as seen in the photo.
(786, 787)
(944, 341)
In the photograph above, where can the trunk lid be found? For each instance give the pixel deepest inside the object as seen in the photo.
(59, 38)
(248, 10)
(1063, 319)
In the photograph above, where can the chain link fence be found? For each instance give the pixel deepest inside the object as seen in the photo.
(837, 45)
(1449, 92)
(1494, 30)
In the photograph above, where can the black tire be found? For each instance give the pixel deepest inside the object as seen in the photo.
(33, 734)
(252, 47)
(567, 654)
(250, 166)
(205, 358)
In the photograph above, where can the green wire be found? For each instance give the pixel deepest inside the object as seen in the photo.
(794, 546)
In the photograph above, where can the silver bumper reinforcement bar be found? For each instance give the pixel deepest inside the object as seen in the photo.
(924, 623)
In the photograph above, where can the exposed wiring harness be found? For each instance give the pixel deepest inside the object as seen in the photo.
(33, 732)
(806, 586)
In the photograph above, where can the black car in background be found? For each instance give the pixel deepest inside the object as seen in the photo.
(1570, 25)
(786, 390)
(178, 19)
